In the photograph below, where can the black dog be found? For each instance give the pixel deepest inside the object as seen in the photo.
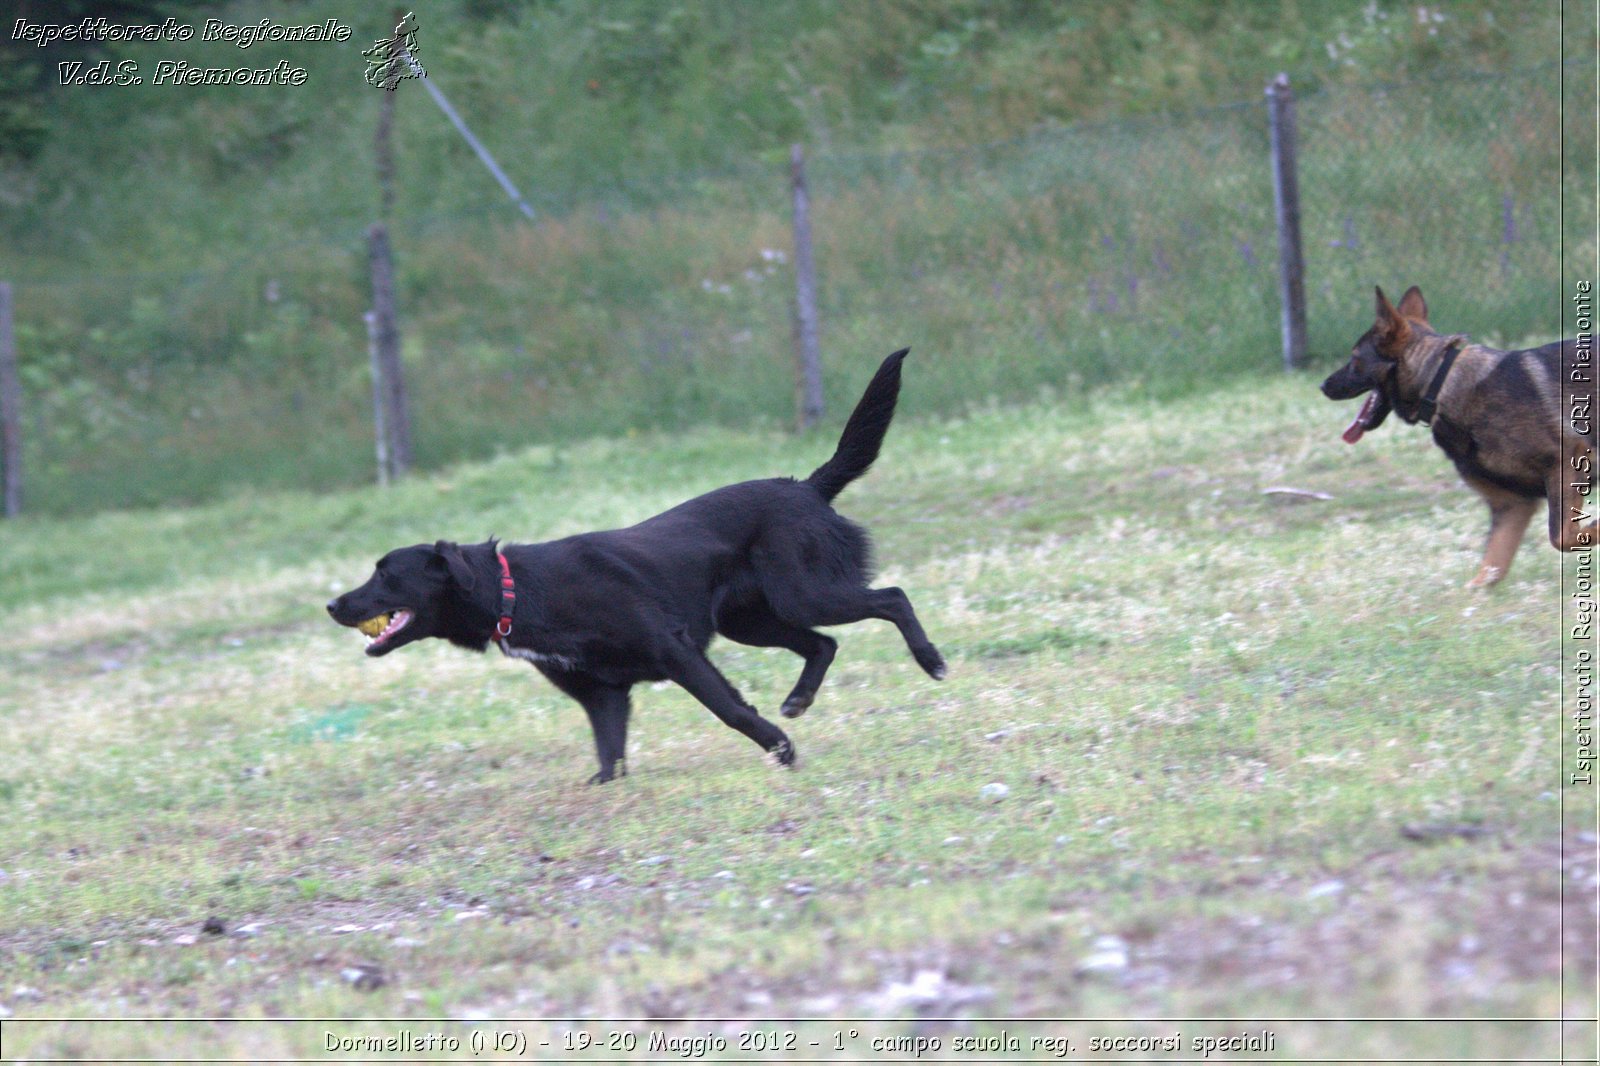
(760, 562)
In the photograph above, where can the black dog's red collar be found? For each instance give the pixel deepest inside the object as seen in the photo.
(508, 598)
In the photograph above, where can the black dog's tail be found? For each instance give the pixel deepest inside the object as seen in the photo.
(863, 433)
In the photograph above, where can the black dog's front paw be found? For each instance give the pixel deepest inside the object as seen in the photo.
(929, 659)
(609, 773)
(784, 754)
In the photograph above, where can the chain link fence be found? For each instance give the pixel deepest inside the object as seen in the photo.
(1142, 252)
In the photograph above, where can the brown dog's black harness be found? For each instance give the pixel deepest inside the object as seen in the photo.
(1428, 406)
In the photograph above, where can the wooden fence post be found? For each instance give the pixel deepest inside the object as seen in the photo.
(10, 409)
(389, 379)
(380, 432)
(808, 363)
(1286, 203)
(383, 155)
(391, 423)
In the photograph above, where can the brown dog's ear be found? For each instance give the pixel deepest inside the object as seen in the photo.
(1390, 324)
(1412, 305)
(456, 562)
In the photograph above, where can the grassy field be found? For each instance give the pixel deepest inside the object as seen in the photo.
(1261, 756)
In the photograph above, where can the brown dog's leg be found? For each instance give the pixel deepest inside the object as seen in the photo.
(1572, 512)
(1509, 515)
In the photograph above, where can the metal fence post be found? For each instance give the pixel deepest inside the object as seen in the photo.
(1286, 204)
(808, 363)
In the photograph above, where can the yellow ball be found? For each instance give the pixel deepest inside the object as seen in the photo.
(373, 626)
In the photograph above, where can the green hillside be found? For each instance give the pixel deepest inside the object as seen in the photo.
(1039, 197)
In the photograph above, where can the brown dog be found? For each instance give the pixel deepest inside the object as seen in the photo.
(1501, 417)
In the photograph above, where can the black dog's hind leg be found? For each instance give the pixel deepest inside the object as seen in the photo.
(607, 707)
(838, 607)
(760, 628)
(688, 666)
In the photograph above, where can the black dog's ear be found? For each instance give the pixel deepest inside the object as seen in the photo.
(450, 553)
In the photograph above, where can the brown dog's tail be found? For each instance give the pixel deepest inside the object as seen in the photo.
(863, 433)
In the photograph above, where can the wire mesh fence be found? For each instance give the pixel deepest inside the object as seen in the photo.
(1457, 186)
(1139, 251)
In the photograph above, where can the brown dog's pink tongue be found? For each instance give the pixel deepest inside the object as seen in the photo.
(1359, 426)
